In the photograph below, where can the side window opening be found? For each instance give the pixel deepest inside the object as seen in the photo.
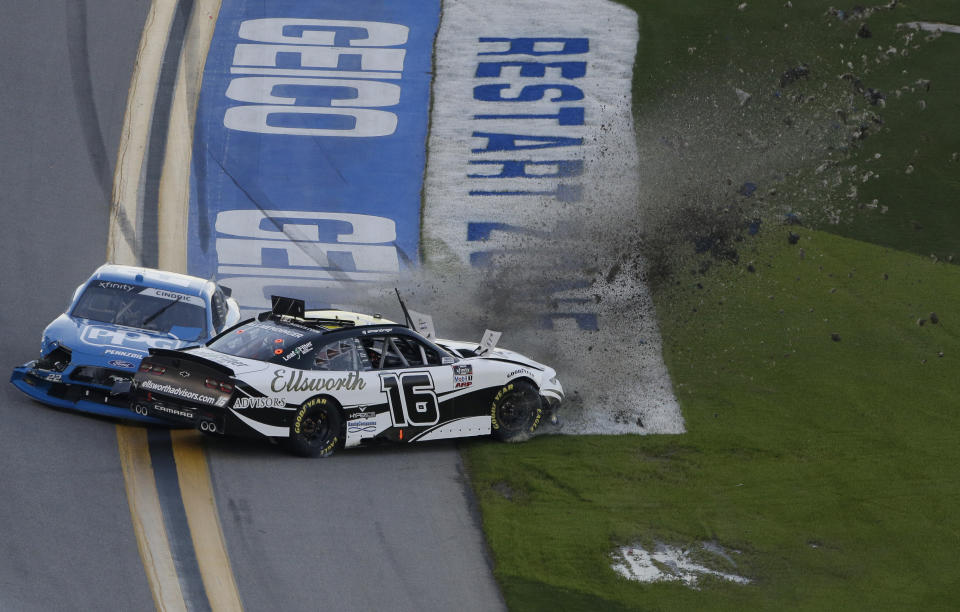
(391, 352)
(412, 351)
(384, 353)
(337, 356)
(393, 357)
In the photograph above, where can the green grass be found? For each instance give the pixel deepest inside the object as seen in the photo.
(830, 464)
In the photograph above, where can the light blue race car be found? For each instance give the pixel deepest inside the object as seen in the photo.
(115, 317)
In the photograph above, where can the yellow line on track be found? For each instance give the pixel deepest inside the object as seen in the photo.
(148, 518)
(192, 469)
(174, 195)
(201, 508)
(122, 242)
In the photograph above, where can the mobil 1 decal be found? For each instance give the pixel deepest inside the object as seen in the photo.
(309, 147)
(533, 170)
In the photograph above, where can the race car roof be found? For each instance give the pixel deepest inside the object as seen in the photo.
(356, 318)
(160, 279)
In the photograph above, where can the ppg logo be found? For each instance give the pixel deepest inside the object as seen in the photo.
(316, 77)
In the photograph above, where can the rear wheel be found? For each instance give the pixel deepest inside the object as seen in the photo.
(516, 411)
(315, 431)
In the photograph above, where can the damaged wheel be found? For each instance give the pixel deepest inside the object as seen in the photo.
(516, 411)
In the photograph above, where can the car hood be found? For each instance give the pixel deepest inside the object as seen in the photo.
(104, 344)
(499, 354)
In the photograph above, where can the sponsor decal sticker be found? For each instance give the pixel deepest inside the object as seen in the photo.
(100, 336)
(355, 426)
(462, 376)
(258, 402)
(188, 414)
(298, 351)
(174, 296)
(117, 363)
(293, 382)
(519, 372)
(116, 286)
(178, 392)
(129, 354)
(283, 331)
(381, 330)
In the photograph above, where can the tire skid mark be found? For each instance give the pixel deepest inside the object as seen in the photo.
(156, 151)
(79, 56)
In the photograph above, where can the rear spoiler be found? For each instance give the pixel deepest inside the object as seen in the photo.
(290, 307)
(297, 309)
(178, 356)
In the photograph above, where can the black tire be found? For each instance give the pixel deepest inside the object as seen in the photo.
(316, 428)
(516, 411)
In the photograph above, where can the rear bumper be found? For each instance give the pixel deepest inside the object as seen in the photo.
(46, 386)
(179, 415)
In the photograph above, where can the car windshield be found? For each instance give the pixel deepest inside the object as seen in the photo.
(145, 308)
(280, 343)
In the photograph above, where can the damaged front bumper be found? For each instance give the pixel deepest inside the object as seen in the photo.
(58, 389)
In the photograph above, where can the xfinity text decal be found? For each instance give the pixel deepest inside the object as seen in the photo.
(309, 147)
(116, 286)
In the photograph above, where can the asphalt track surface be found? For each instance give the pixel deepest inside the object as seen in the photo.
(67, 538)
(390, 528)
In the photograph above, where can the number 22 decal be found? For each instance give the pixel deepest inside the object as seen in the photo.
(411, 398)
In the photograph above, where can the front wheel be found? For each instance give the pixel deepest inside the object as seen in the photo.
(516, 411)
(315, 431)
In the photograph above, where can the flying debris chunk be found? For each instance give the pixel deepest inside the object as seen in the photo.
(742, 96)
(794, 74)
